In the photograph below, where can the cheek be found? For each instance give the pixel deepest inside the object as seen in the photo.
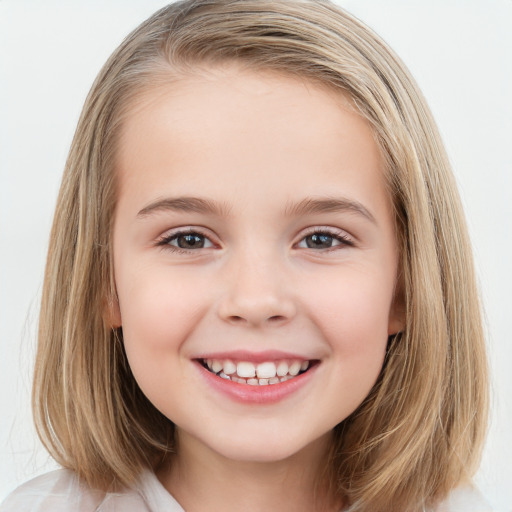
(353, 311)
(157, 316)
(355, 327)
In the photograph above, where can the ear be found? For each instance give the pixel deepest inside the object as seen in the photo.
(111, 312)
(396, 321)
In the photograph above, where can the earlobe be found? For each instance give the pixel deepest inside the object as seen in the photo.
(112, 312)
(396, 322)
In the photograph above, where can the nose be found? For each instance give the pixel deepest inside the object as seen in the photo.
(258, 293)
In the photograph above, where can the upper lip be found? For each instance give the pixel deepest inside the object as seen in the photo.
(254, 357)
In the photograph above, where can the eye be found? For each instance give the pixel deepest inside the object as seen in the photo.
(188, 241)
(324, 240)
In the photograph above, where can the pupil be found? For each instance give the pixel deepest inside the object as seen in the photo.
(318, 241)
(190, 241)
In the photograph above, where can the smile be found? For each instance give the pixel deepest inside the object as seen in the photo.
(261, 374)
(262, 378)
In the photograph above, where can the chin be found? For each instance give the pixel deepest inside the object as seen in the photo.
(264, 448)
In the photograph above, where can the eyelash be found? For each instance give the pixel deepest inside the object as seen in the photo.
(339, 236)
(165, 241)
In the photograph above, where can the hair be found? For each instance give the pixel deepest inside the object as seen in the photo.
(420, 431)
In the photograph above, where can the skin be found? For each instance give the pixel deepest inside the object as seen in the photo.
(258, 145)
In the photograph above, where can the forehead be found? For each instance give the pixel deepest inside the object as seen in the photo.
(235, 125)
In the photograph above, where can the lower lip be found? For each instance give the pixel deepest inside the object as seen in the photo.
(245, 393)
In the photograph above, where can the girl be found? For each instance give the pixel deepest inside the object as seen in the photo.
(259, 291)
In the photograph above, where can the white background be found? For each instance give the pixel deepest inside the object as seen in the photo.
(460, 53)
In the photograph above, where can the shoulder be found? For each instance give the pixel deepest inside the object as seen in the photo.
(62, 491)
(55, 491)
(464, 499)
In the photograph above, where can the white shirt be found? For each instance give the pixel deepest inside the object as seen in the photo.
(61, 491)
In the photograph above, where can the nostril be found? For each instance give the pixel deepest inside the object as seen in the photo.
(237, 319)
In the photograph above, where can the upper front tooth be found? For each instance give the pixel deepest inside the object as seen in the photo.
(229, 367)
(245, 369)
(294, 368)
(282, 369)
(266, 370)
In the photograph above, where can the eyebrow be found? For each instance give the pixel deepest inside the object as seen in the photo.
(329, 205)
(307, 206)
(185, 204)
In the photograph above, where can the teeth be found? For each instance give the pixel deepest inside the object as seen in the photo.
(216, 366)
(245, 369)
(266, 370)
(282, 369)
(262, 374)
(294, 368)
(229, 367)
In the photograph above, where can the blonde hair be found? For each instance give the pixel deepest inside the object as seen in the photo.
(420, 431)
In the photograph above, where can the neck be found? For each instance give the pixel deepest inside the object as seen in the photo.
(201, 479)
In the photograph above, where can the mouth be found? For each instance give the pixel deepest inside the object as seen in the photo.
(266, 373)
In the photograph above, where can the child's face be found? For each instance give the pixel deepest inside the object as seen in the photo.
(253, 226)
